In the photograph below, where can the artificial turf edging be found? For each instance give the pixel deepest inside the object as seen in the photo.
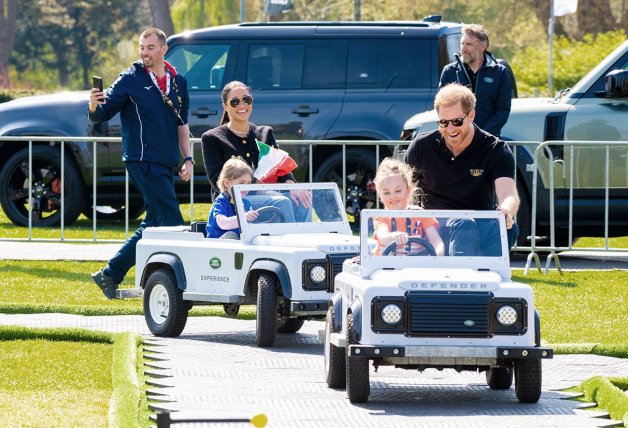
(607, 395)
(124, 406)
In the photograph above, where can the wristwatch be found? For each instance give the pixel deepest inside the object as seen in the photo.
(189, 158)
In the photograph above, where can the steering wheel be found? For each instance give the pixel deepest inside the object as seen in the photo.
(428, 249)
(269, 214)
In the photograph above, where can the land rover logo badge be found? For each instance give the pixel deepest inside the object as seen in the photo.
(214, 262)
(469, 323)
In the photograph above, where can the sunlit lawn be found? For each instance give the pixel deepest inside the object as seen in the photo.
(54, 383)
(84, 227)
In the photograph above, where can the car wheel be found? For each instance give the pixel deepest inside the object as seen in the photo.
(335, 359)
(528, 380)
(290, 325)
(265, 326)
(358, 386)
(499, 377)
(164, 309)
(46, 188)
(359, 183)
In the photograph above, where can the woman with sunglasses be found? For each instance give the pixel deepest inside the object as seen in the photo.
(236, 136)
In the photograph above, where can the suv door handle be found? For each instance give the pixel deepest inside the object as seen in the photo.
(203, 112)
(305, 111)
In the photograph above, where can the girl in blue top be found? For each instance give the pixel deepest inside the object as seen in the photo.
(223, 222)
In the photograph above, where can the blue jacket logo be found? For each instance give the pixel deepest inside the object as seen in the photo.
(488, 79)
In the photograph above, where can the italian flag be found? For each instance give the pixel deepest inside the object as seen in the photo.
(272, 163)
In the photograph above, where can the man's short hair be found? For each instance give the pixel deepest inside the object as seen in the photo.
(454, 93)
(161, 36)
(477, 32)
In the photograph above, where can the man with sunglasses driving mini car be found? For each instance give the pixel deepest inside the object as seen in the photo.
(460, 166)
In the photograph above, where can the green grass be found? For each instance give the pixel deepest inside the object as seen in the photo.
(619, 242)
(89, 378)
(581, 307)
(66, 286)
(83, 228)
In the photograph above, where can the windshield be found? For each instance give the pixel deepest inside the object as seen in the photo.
(433, 238)
(290, 208)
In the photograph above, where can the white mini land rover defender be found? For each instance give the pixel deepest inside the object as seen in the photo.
(287, 269)
(410, 308)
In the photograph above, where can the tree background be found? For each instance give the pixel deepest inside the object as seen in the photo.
(50, 45)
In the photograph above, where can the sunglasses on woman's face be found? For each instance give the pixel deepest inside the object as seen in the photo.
(457, 122)
(235, 101)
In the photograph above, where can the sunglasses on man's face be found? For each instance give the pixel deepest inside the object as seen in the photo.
(235, 101)
(457, 122)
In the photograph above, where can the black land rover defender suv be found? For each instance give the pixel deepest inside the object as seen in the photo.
(311, 81)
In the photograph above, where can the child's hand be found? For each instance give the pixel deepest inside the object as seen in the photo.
(251, 216)
(400, 238)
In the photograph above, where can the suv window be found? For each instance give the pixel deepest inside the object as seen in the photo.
(383, 64)
(276, 66)
(310, 65)
(600, 84)
(202, 65)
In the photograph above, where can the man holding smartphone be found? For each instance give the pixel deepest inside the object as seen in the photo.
(152, 100)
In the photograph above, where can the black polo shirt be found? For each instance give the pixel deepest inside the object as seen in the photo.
(464, 182)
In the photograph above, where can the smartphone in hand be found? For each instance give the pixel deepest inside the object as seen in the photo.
(97, 83)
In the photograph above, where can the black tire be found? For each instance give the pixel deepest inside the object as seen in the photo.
(165, 310)
(528, 380)
(116, 213)
(266, 319)
(335, 358)
(46, 170)
(358, 385)
(499, 377)
(361, 170)
(511, 74)
(290, 325)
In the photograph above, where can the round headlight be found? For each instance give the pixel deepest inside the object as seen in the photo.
(391, 314)
(317, 274)
(506, 315)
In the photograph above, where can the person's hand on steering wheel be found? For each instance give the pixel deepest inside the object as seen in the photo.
(251, 216)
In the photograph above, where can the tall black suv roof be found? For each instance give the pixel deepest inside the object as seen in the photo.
(310, 80)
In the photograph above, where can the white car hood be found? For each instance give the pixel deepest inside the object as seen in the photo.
(325, 242)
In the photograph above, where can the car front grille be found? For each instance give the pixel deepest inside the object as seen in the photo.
(449, 314)
(334, 267)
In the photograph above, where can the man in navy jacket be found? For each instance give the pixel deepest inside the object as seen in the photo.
(489, 81)
(152, 100)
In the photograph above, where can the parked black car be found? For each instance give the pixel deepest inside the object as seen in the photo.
(311, 81)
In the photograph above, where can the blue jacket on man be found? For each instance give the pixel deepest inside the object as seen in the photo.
(492, 91)
(139, 102)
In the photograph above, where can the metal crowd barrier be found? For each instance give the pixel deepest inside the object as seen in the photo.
(541, 168)
(95, 140)
(545, 165)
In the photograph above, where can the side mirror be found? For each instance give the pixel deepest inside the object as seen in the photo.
(616, 85)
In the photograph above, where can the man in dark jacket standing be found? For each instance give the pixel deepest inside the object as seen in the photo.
(153, 103)
(489, 81)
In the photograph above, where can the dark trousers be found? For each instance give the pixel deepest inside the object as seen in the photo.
(156, 184)
(475, 237)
